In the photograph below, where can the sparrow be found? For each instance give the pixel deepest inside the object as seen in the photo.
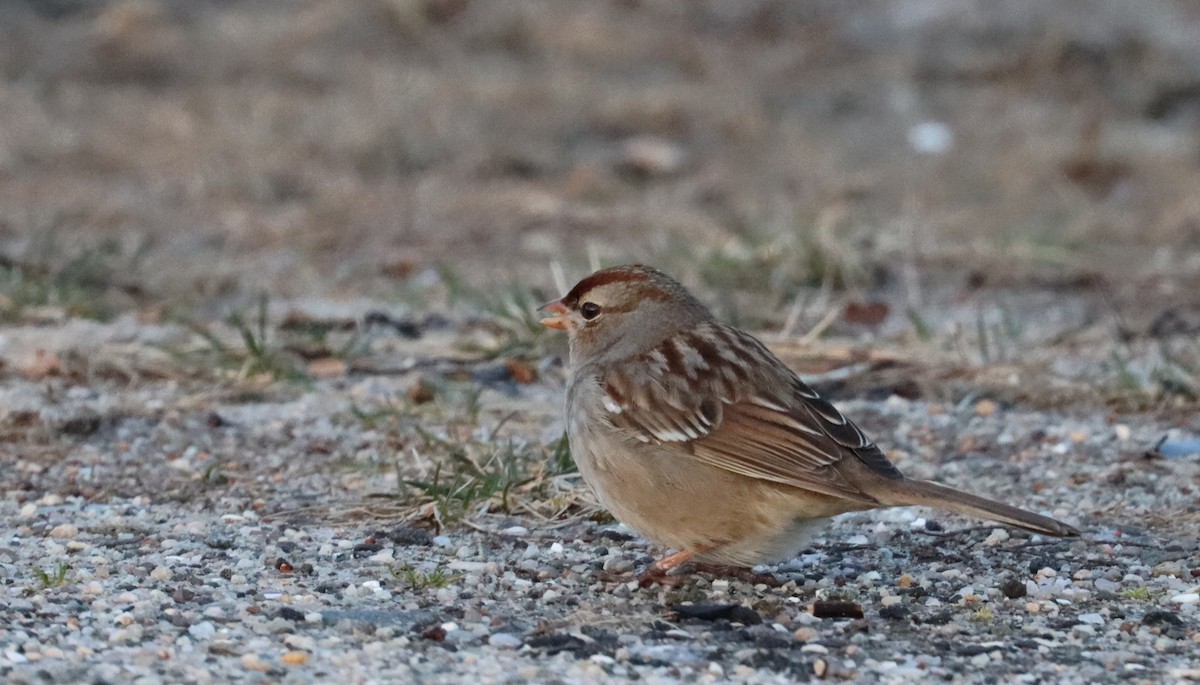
(695, 435)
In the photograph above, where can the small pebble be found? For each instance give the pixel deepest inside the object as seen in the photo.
(64, 530)
(505, 641)
(202, 630)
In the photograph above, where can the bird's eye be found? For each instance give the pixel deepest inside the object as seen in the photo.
(590, 310)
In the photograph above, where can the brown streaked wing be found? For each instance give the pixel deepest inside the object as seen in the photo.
(686, 388)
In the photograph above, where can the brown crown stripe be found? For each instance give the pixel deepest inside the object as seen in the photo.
(649, 282)
(618, 274)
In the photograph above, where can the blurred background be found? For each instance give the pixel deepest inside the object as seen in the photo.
(902, 170)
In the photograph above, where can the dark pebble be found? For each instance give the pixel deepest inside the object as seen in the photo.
(894, 612)
(291, 614)
(610, 534)
(366, 549)
(933, 526)
(408, 535)
(286, 546)
(81, 425)
(219, 542)
(1158, 617)
(1013, 588)
(939, 619)
(836, 609)
(736, 613)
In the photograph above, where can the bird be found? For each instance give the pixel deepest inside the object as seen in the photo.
(695, 435)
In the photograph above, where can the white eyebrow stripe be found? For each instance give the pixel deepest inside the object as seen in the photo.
(612, 406)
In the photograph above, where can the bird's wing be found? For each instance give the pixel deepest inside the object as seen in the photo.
(725, 400)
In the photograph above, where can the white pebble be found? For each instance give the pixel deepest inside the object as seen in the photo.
(161, 573)
(1106, 585)
(442, 541)
(202, 630)
(505, 641)
(1187, 598)
(515, 531)
(1091, 618)
(931, 137)
(556, 548)
(27, 512)
(998, 535)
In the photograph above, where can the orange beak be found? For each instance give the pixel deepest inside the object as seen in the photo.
(559, 318)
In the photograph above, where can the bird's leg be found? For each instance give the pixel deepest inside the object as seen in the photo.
(659, 570)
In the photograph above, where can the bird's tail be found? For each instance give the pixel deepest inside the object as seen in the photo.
(929, 494)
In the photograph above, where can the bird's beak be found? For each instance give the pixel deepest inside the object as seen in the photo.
(559, 312)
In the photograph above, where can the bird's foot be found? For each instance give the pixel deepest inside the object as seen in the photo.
(659, 572)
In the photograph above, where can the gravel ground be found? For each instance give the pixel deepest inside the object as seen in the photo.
(128, 557)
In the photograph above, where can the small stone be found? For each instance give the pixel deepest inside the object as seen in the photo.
(890, 600)
(998, 535)
(836, 609)
(1033, 607)
(805, 634)
(1187, 598)
(894, 612)
(295, 658)
(1167, 568)
(617, 564)
(985, 407)
(327, 367)
(820, 668)
(1013, 589)
(651, 156)
(203, 630)
(980, 660)
(505, 641)
(515, 531)
(1121, 432)
(64, 530)
(1106, 585)
(161, 573)
(1091, 619)
(254, 662)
